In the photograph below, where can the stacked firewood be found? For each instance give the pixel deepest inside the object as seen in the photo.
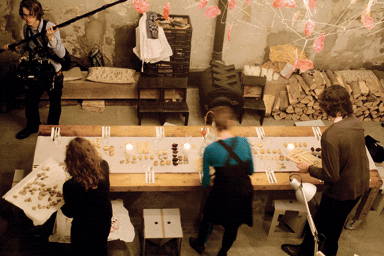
(300, 101)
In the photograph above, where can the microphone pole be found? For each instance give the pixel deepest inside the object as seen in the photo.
(12, 46)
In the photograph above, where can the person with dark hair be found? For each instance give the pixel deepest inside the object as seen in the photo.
(50, 47)
(229, 203)
(345, 172)
(86, 197)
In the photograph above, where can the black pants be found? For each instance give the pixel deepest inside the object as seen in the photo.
(229, 237)
(90, 237)
(329, 221)
(33, 92)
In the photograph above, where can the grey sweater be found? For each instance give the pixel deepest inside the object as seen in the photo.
(345, 170)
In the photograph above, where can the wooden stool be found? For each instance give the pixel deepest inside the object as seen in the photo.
(294, 216)
(161, 224)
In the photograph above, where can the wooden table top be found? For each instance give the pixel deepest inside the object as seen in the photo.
(121, 182)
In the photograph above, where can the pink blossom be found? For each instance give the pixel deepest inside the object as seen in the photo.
(231, 4)
(284, 3)
(318, 45)
(295, 17)
(249, 2)
(212, 12)
(367, 21)
(290, 3)
(366, 18)
(229, 33)
(202, 4)
(309, 27)
(312, 4)
(304, 65)
(140, 5)
(166, 11)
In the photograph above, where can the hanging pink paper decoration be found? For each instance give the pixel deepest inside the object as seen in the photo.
(295, 17)
(312, 4)
(304, 65)
(249, 2)
(366, 18)
(202, 4)
(318, 45)
(290, 3)
(367, 21)
(212, 12)
(166, 11)
(229, 33)
(284, 3)
(231, 4)
(140, 5)
(309, 27)
(278, 4)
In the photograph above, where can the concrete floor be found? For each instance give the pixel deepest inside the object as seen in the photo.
(19, 237)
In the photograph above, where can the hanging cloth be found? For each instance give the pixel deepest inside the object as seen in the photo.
(151, 50)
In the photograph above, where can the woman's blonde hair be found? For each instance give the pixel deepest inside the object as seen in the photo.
(223, 114)
(83, 163)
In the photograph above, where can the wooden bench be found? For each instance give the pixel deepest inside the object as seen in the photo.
(88, 90)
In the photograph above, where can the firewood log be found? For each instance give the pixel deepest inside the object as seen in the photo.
(363, 88)
(303, 84)
(268, 101)
(295, 117)
(307, 99)
(283, 100)
(309, 79)
(355, 89)
(304, 117)
(290, 110)
(328, 82)
(294, 88)
(332, 77)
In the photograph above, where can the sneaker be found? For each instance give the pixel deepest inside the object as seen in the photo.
(291, 249)
(195, 246)
(25, 133)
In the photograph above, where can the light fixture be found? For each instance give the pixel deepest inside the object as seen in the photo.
(304, 193)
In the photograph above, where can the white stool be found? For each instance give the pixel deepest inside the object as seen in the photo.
(162, 223)
(378, 205)
(294, 216)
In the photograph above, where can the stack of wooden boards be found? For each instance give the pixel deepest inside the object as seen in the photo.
(300, 100)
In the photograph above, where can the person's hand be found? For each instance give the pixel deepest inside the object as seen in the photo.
(303, 166)
(50, 32)
(5, 47)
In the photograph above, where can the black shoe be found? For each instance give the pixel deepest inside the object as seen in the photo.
(291, 249)
(382, 124)
(195, 246)
(25, 133)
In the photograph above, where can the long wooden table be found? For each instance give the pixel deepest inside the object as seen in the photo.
(123, 182)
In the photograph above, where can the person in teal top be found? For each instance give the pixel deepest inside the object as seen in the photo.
(215, 155)
(229, 202)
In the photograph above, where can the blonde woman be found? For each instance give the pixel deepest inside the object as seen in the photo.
(86, 197)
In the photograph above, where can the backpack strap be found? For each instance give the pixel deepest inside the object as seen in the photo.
(44, 43)
(231, 152)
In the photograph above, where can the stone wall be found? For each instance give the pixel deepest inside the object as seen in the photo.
(254, 28)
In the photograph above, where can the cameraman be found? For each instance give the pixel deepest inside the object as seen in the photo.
(32, 12)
